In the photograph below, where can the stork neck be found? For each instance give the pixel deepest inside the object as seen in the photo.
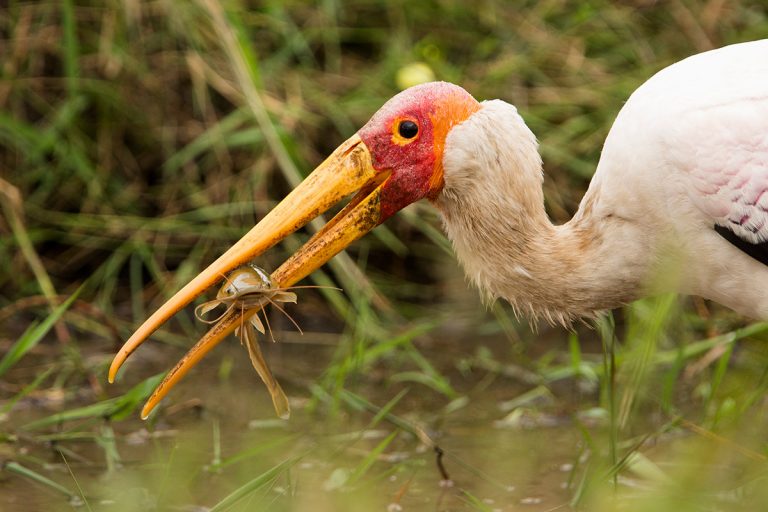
(493, 209)
(555, 272)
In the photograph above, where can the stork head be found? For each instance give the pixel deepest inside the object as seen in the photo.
(393, 161)
(406, 139)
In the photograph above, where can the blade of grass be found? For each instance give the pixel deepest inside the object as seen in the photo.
(360, 471)
(386, 410)
(34, 334)
(644, 334)
(106, 440)
(251, 452)
(435, 382)
(254, 485)
(699, 347)
(717, 378)
(358, 403)
(77, 484)
(12, 204)
(220, 132)
(607, 330)
(18, 469)
(380, 350)
(39, 378)
(475, 502)
(216, 461)
(71, 50)
(429, 375)
(112, 408)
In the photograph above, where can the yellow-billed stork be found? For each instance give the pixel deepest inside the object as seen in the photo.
(682, 181)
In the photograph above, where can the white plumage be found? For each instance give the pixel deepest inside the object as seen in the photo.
(708, 118)
(688, 151)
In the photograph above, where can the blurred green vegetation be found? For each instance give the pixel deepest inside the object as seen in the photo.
(139, 139)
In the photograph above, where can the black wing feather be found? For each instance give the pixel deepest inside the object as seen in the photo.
(756, 251)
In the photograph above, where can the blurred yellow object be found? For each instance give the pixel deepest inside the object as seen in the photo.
(414, 74)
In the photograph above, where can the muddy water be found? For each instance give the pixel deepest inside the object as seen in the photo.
(216, 433)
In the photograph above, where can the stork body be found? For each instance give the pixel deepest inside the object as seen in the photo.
(688, 152)
(679, 200)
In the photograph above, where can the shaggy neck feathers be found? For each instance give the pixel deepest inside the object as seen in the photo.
(493, 209)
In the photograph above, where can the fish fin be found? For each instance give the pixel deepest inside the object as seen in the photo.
(203, 309)
(256, 322)
(279, 399)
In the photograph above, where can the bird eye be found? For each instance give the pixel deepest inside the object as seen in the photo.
(408, 129)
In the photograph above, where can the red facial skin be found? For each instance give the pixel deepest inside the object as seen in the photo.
(417, 163)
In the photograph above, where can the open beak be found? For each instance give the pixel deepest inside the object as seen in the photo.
(349, 169)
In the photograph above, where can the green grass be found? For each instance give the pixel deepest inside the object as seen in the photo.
(139, 140)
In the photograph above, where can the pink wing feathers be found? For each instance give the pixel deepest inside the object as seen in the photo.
(723, 150)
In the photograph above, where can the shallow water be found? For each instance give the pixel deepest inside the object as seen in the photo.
(170, 461)
(217, 431)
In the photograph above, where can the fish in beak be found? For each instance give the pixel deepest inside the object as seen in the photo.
(394, 160)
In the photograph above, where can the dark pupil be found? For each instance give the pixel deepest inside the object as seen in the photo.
(408, 129)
